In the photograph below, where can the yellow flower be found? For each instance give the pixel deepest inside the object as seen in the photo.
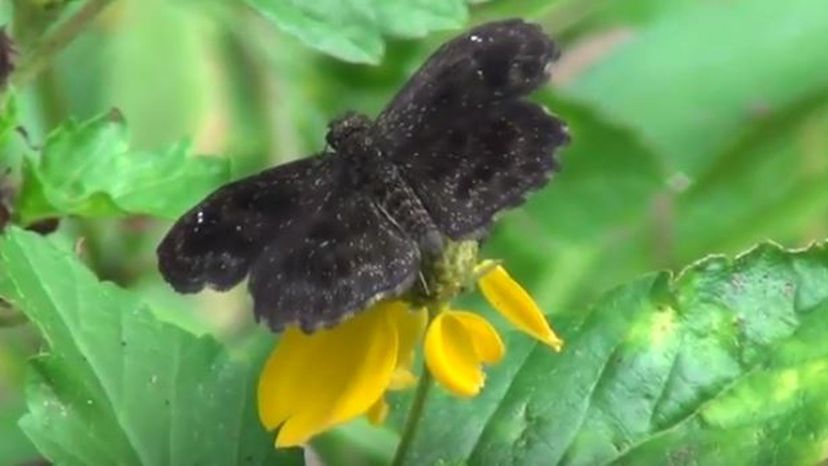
(312, 383)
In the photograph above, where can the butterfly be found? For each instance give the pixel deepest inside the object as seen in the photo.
(324, 237)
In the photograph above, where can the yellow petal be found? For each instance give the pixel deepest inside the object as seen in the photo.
(313, 382)
(514, 303)
(410, 325)
(456, 345)
(483, 267)
(487, 343)
(377, 413)
(402, 379)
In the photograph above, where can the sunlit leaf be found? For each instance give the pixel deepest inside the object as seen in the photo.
(726, 364)
(355, 31)
(88, 169)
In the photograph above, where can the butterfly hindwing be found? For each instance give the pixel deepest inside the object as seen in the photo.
(469, 169)
(315, 247)
(346, 257)
(216, 242)
(461, 134)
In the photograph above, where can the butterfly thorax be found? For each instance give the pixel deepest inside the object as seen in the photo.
(375, 175)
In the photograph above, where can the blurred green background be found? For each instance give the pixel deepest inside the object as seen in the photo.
(699, 127)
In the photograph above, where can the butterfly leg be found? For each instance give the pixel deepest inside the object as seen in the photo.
(424, 284)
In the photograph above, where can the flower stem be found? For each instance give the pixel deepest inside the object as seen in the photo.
(412, 421)
(41, 54)
(416, 410)
(10, 317)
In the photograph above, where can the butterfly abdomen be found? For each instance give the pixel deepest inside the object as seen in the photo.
(395, 198)
(382, 181)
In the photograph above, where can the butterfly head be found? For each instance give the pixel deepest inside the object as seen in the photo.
(347, 130)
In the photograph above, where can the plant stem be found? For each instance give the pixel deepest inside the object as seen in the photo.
(415, 412)
(10, 317)
(412, 420)
(41, 54)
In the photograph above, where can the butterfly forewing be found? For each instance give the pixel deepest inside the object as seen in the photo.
(464, 139)
(217, 241)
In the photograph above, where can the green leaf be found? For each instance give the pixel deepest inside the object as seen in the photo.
(527, 9)
(16, 346)
(726, 364)
(15, 447)
(353, 31)
(416, 18)
(8, 117)
(118, 386)
(690, 80)
(88, 169)
(357, 443)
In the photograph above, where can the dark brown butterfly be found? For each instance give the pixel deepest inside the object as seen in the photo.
(326, 236)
